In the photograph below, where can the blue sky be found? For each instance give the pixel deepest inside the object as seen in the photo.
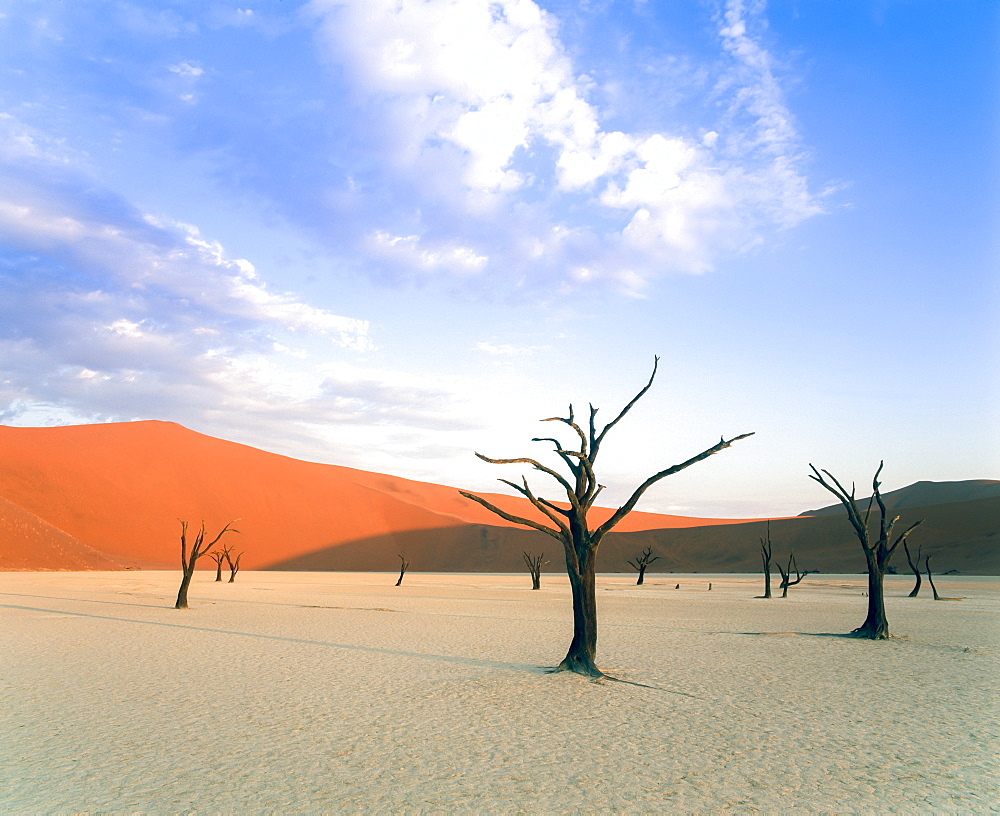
(385, 234)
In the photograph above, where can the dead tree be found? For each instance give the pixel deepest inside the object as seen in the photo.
(403, 567)
(569, 523)
(643, 561)
(189, 559)
(785, 573)
(877, 553)
(535, 564)
(234, 564)
(915, 566)
(218, 556)
(765, 554)
(930, 580)
(927, 566)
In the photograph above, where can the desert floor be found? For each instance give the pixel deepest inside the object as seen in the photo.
(338, 692)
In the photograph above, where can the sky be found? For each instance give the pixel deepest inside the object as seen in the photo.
(387, 234)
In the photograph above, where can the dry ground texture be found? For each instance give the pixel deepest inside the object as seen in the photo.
(337, 692)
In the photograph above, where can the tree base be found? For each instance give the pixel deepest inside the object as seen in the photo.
(580, 665)
(870, 633)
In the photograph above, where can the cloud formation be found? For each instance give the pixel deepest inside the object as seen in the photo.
(499, 129)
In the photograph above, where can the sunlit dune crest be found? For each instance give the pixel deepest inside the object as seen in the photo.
(109, 496)
(108, 493)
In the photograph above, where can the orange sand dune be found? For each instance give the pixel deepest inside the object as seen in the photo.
(28, 543)
(120, 488)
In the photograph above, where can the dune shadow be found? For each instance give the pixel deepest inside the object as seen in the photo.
(465, 661)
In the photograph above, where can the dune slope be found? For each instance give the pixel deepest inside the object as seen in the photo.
(120, 489)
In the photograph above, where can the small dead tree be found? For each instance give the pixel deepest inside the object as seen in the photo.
(641, 562)
(785, 573)
(218, 556)
(403, 567)
(765, 554)
(914, 566)
(877, 553)
(930, 580)
(535, 564)
(234, 564)
(569, 524)
(189, 559)
(927, 566)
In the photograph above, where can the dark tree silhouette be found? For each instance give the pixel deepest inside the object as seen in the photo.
(643, 561)
(188, 560)
(877, 553)
(930, 579)
(786, 581)
(234, 563)
(915, 566)
(570, 525)
(218, 556)
(403, 567)
(765, 554)
(535, 564)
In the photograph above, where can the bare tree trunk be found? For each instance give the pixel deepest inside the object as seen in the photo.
(876, 625)
(915, 566)
(877, 553)
(182, 593)
(930, 580)
(641, 562)
(402, 569)
(189, 560)
(583, 648)
(765, 554)
(534, 563)
(234, 566)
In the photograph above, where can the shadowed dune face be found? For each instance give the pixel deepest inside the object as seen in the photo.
(118, 489)
(109, 497)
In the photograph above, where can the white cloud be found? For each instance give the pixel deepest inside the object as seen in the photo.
(492, 75)
(144, 253)
(490, 78)
(187, 70)
(409, 251)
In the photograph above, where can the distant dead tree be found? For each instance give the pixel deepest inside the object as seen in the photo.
(785, 573)
(189, 559)
(643, 561)
(877, 553)
(569, 524)
(930, 580)
(535, 564)
(403, 567)
(915, 566)
(218, 556)
(765, 554)
(234, 564)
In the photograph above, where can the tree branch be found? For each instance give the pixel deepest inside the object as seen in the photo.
(542, 504)
(596, 443)
(626, 508)
(902, 538)
(847, 501)
(511, 517)
(537, 466)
